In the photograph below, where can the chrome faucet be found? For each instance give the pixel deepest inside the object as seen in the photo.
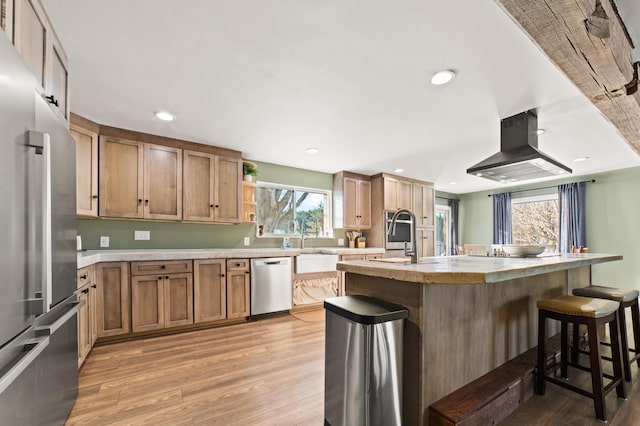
(302, 227)
(414, 241)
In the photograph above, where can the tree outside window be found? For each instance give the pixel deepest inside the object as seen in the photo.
(534, 220)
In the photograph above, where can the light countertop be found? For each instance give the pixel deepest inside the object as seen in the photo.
(90, 257)
(473, 270)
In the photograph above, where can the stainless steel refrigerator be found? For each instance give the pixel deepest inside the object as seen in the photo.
(38, 306)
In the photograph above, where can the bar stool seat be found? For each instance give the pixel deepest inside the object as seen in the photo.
(628, 298)
(593, 312)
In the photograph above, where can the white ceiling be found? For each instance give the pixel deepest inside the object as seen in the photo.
(351, 78)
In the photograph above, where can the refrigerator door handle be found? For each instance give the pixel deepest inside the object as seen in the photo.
(49, 329)
(41, 302)
(34, 348)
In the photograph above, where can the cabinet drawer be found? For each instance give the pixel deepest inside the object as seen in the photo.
(237, 264)
(161, 267)
(346, 257)
(86, 276)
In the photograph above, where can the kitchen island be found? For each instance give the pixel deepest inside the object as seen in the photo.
(467, 315)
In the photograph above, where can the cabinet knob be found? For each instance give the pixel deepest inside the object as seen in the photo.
(83, 277)
(211, 205)
(94, 286)
(146, 201)
(95, 197)
(52, 100)
(222, 275)
(160, 277)
(217, 206)
(246, 272)
(166, 277)
(163, 267)
(85, 291)
(139, 201)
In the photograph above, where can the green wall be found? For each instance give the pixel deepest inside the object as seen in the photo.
(201, 235)
(613, 221)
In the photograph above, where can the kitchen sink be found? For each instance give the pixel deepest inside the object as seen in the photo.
(315, 262)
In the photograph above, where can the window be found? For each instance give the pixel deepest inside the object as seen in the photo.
(534, 220)
(282, 209)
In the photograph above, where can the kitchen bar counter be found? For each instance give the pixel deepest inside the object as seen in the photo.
(467, 315)
(91, 257)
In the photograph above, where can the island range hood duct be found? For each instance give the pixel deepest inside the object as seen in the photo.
(519, 158)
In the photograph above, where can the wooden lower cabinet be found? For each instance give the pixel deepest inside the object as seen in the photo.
(209, 290)
(113, 304)
(238, 287)
(87, 321)
(161, 301)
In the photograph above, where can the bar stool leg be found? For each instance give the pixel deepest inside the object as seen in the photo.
(625, 344)
(596, 369)
(576, 343)
(616, 356)
(635, 317)
(564, 344)
(542, 352)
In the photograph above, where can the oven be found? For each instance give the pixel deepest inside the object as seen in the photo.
(403, 231)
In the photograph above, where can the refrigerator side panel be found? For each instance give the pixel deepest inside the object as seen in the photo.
(16, 118)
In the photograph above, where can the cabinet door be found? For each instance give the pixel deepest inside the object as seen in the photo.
(92, 301)
(86, 171)
(113, 304)
(121, 178)
(198, 186)
(423, 204)
(30, 33)
(209, 290)
(228, 200)
(397, 194)
(178, 299)
(162, 182)
(238, 302)
(426, 241)
(350, 202)
(364, 204)
(147, 302)
(57, 85)
(84, 325)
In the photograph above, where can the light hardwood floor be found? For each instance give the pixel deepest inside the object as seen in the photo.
(269, 372)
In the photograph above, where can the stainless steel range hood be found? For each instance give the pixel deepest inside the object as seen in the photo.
(519, 158)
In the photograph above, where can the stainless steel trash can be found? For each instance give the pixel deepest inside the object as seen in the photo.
(363, 361)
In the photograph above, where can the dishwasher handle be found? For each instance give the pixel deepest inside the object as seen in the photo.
(273, 262)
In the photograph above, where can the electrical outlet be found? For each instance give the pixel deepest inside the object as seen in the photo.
(142, 235)
(104, 241)
(340, 241)
(247, 241)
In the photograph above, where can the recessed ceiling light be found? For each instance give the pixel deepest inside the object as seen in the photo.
(164, 116)
(540, 131)
(398, 170)
(442, 77)
(452, 183)
(579, 159)
(312, 150)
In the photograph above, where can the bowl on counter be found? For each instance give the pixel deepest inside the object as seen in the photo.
(514, 250)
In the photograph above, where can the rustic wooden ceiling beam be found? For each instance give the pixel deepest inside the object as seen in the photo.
(588, 41)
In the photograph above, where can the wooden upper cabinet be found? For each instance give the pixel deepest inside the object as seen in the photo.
(228, 190)
(426, 241)
(121, 178)
(397, 194)
(352, 201)
(162, 182)
(424, 204)
(86, 171)
(139, 180)
(37, 43)
(212, 188)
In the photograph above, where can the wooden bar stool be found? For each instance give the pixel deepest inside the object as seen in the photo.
(627, 299)
(592, 312)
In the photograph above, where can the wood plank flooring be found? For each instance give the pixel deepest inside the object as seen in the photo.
(268, 372)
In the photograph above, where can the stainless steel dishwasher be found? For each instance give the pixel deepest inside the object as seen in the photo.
(270, 285)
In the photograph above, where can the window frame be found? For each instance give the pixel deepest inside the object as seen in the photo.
(447, 235)
(328, 212)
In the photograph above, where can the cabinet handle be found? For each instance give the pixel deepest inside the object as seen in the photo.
(160, 277)
(222, 275)
(246, 272)
(85, 291)
(52, 100)
(146, 201)
(238, 265)
(83, 277)
(139, 201)
(94, 286)
(211, 205)
(163, 267)
(166, 277)
(95, 197)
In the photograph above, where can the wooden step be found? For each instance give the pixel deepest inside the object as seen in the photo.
(492, 397)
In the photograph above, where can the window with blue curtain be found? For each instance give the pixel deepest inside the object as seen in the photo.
(572, 213)
(502, 218)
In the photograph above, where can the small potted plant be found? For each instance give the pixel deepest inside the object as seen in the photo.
(249, 171)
